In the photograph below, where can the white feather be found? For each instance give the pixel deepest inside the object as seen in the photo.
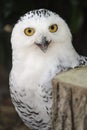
(32, 68)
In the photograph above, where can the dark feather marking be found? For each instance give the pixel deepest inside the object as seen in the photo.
(28, 106)
(82, 60)
(46, 108)
(40, 13)
(33, 112)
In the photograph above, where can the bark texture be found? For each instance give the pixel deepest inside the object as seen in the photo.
(69, 111)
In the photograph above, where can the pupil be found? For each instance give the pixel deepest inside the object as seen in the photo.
(52, 27)
(29, 31)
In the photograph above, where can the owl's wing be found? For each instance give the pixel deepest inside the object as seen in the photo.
(62, 68)
(82, 60)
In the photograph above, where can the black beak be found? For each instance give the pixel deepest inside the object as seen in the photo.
(43, 44)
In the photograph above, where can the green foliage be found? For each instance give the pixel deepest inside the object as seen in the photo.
(77, 14)
(1, 54)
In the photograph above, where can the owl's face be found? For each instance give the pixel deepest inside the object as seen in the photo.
(40, 29)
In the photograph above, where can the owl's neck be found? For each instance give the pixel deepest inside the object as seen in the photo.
(36, 59)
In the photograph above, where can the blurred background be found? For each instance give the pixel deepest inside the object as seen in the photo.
(75, 14)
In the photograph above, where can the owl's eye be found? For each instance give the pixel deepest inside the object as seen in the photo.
(29, 31)
(53, 28)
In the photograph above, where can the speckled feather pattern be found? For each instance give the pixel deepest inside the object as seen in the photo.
(33, 69)
(39, 13)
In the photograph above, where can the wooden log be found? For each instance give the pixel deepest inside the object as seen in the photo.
(69, 111)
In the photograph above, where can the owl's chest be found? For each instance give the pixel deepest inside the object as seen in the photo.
(33, 106)
(31, 93)
(42, 94)
(33, 88)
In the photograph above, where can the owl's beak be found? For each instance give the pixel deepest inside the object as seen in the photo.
(43, 45)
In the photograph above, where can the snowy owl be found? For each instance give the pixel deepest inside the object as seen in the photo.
(41, 48)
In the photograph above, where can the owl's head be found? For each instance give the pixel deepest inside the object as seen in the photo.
(42, 30)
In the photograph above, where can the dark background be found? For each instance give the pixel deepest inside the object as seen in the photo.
(73, 11)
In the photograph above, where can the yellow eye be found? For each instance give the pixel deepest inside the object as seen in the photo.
(53, 28)
(29, 31)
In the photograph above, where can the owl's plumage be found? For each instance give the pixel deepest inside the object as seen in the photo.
(41, 48)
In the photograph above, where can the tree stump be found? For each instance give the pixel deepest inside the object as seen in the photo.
(69, 111)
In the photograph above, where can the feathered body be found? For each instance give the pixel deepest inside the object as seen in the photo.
(34, 67)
